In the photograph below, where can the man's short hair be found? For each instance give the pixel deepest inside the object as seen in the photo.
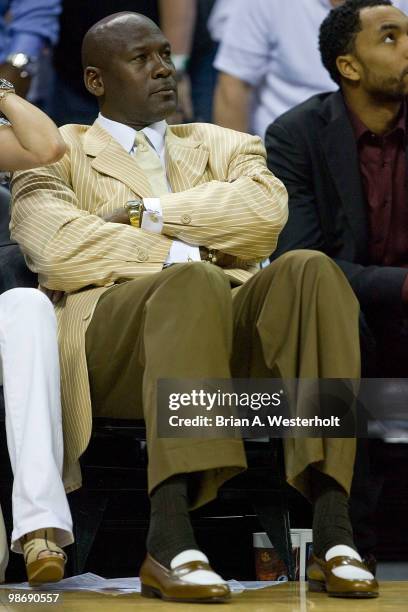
(339, 30)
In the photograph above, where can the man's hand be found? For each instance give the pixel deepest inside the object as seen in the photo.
(223, 260)
(120, 215)
(13, 74)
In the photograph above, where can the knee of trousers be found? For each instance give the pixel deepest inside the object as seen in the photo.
(28, 304)
(314, 265)
(199, 289)
(301, 258)
(206, 280)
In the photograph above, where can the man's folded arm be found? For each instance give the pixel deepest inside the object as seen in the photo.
(241, 215)
(68, 247)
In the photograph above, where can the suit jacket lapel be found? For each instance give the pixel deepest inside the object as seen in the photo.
(111, 159)
(340, 149)
(186, 160)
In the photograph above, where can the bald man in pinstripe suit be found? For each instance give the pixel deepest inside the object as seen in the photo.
(139, 303)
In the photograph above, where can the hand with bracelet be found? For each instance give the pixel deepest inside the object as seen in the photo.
(218, 258)
(29, 138)
(132, 213)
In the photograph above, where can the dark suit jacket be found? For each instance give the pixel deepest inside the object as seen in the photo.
(312, 149)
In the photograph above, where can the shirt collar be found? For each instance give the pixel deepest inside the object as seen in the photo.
(360, 129)
(125, 135)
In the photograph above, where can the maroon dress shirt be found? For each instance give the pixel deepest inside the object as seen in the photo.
(383, 168)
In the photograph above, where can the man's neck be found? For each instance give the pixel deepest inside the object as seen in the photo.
(119, 117)
(134, 125)
(378, 116)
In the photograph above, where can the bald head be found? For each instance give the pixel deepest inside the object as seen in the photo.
(128, 67)
(105, 38)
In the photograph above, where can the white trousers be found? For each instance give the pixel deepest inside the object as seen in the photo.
(31, 381)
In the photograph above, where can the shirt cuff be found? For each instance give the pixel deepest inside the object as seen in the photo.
(152, 220)
(180, 252)
(30, 44)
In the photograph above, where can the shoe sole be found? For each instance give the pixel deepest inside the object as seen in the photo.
(45, 570)
(152, 593)
(319, 587)
(357, 595)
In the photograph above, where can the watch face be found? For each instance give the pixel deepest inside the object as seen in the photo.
(4, 84)
(18, 60)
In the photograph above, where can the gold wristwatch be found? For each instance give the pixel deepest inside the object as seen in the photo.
(135, 210)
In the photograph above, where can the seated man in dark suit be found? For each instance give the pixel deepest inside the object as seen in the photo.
(342, 157)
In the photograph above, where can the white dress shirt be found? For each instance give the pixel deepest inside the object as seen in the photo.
(155, 133)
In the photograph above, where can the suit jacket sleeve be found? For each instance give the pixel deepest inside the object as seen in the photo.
(68, 247)
(241, 211)
(288, 157)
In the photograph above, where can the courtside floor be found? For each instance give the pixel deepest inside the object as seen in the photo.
(288, 597)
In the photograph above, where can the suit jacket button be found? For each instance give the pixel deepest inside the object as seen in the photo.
(141, 255)
(186, 219)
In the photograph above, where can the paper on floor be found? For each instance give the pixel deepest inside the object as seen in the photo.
(115, 586)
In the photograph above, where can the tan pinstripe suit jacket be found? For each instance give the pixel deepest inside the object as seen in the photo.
(224, 197)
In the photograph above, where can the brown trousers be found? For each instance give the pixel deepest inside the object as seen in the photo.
(296, 318)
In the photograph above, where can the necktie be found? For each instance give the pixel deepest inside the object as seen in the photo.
(149, 162)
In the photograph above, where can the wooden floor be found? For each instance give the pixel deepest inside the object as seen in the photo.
(289, 597)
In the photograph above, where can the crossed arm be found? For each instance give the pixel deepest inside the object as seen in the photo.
(71, 248)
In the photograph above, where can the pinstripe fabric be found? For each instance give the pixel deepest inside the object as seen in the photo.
(224, 197)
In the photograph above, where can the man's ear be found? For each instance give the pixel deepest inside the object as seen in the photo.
(349, 67)
(93, 81)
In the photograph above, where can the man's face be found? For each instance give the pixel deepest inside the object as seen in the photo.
(139, 82)
(381, 50)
